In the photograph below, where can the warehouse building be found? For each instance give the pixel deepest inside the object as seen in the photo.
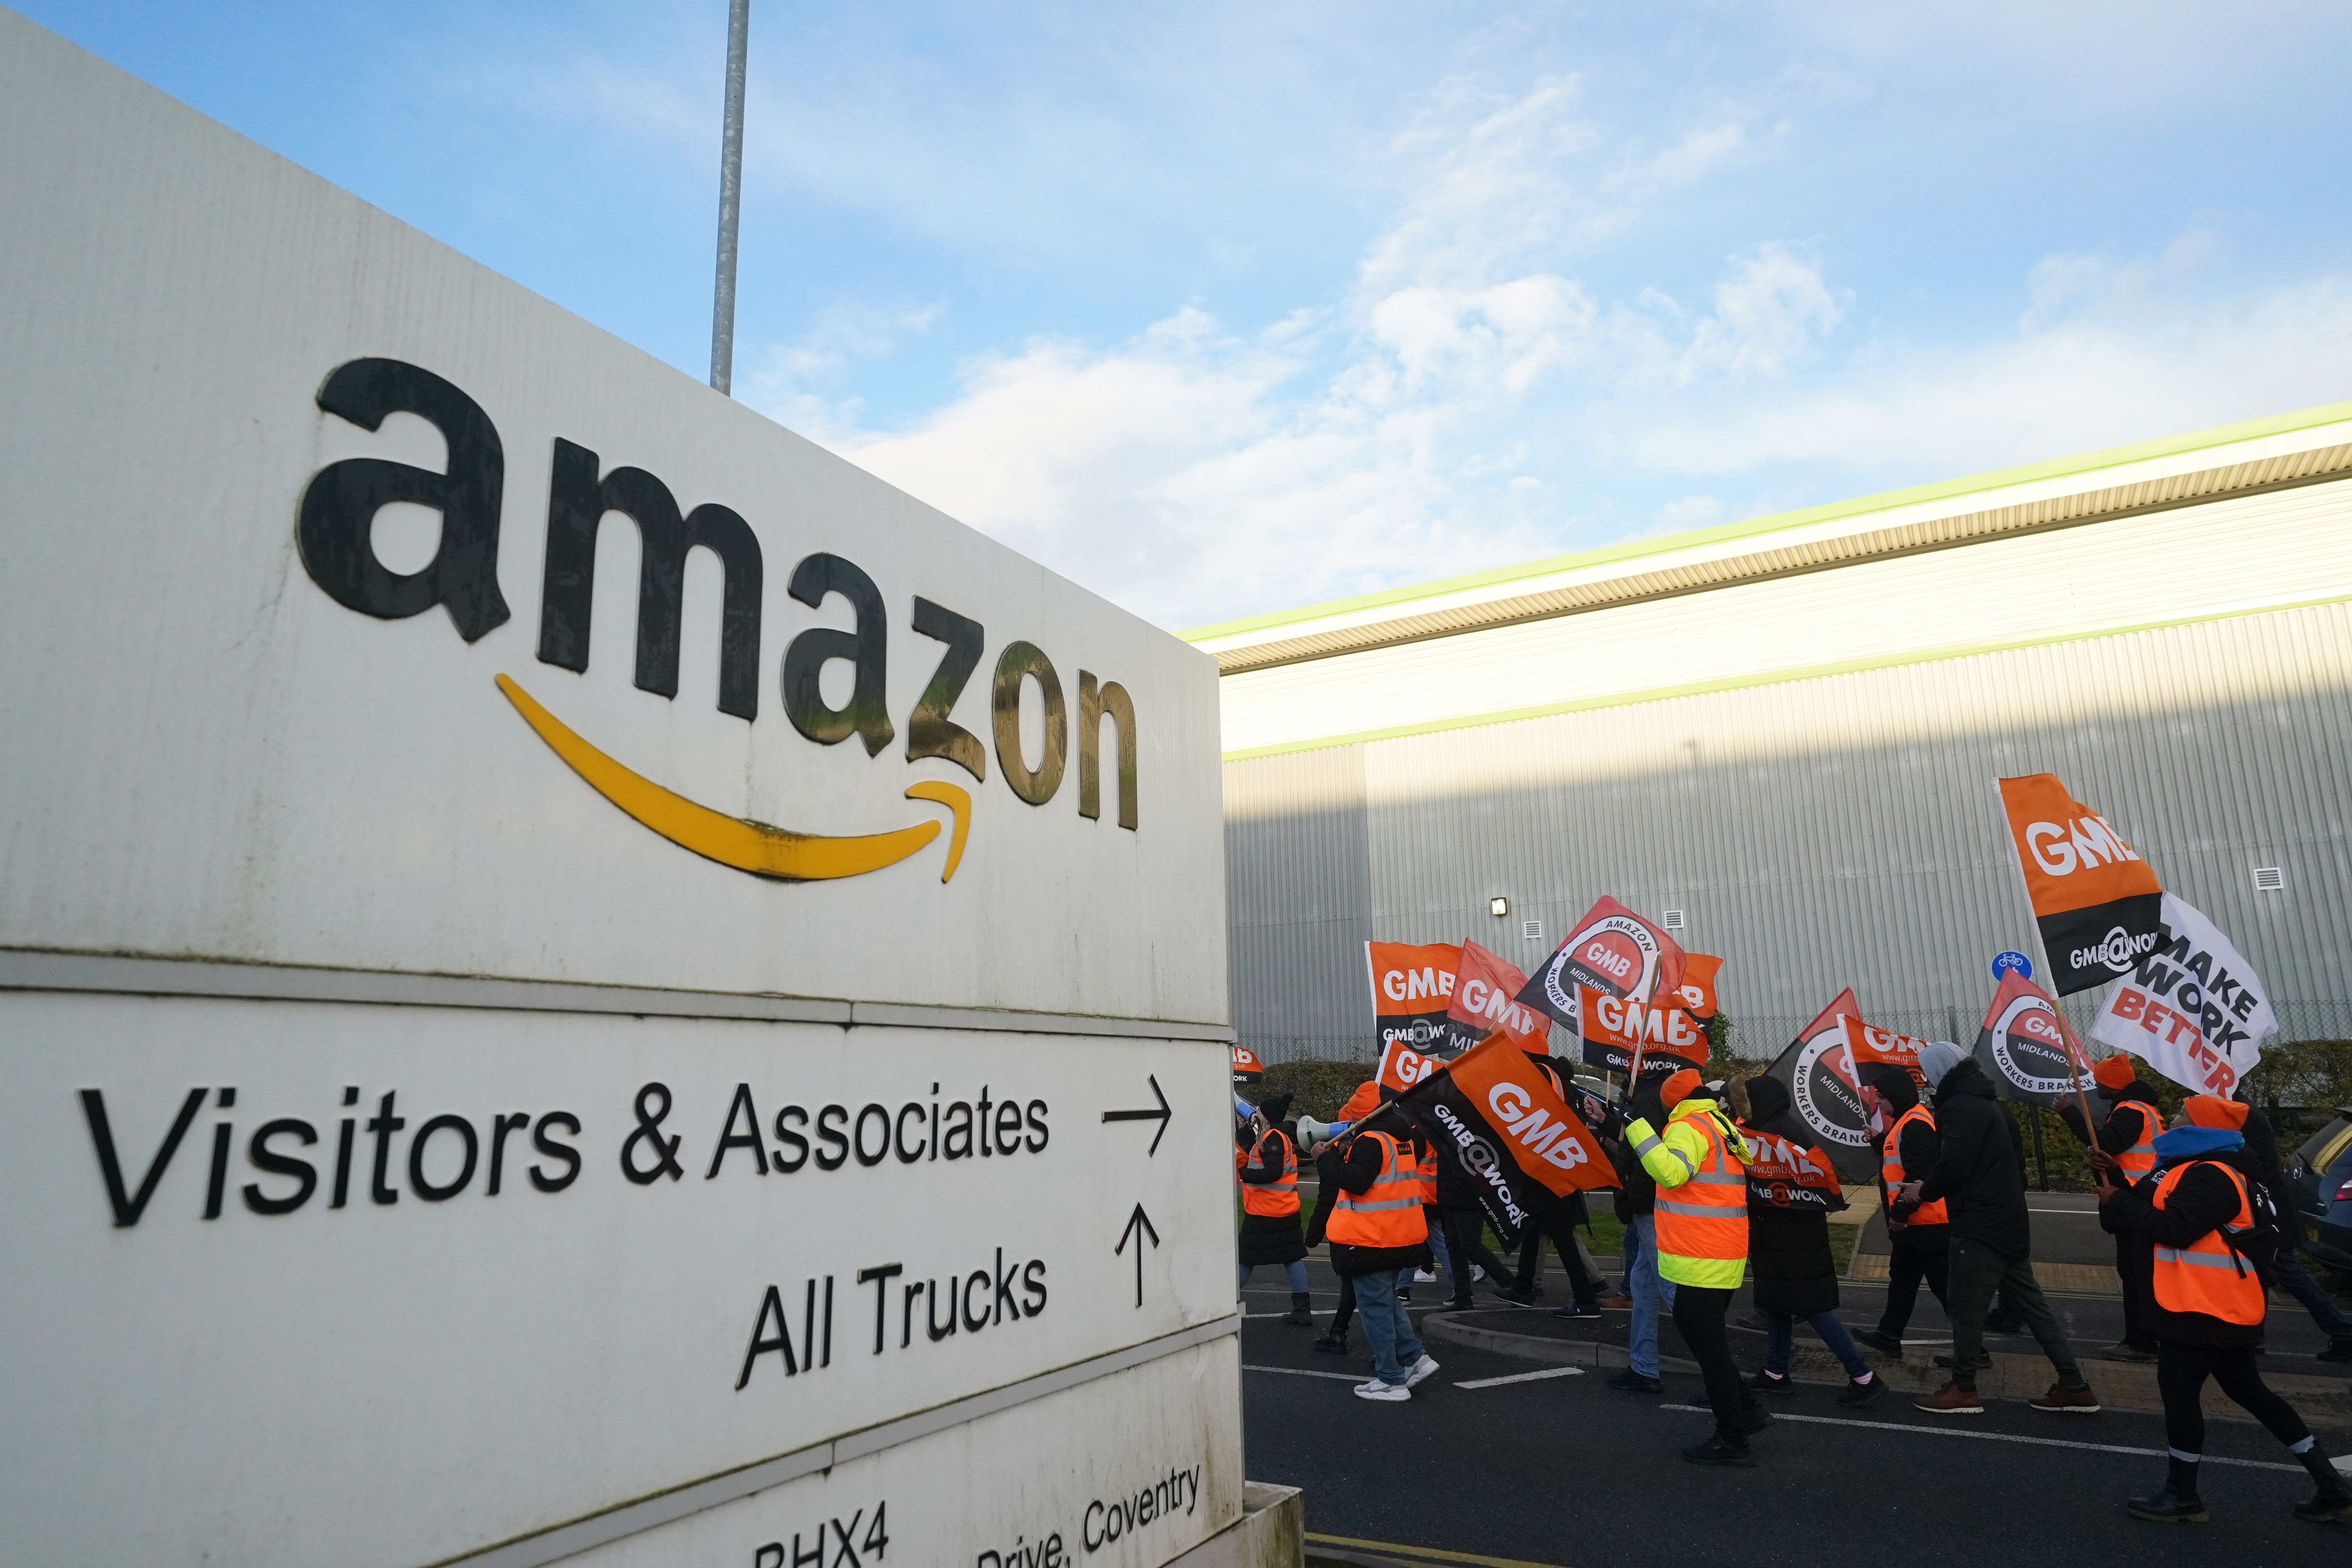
(1780, 737)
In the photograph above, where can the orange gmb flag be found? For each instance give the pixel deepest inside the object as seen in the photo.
(1783, 1174)
(1614, 1028)
(1493, 1115)
(1402, 1065)
(1485, 988)
(2098, 905)
(1412, 986)
(1697, 988)
(1247, 1068)
(1867, 1047)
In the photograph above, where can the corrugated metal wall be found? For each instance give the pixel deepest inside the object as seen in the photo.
(1298, 900)
(1818, 833)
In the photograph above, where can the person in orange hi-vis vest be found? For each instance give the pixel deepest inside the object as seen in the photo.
(1376, 1228)
(2205, 1237)
(2124, 1152)
(1920, 1239)
(1269, 1180)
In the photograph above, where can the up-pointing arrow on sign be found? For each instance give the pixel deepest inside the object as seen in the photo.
(1160, 1115)
(1139, 1225)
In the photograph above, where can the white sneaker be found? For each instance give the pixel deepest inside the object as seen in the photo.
(1420, 1373)
(1386, 1393)
(1424, 1277)
(1477, 1272)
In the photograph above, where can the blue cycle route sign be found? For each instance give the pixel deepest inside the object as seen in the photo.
(2003, 962)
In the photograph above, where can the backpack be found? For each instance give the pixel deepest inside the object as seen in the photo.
(2258, 1243)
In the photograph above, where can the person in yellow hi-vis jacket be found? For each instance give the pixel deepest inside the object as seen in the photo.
(1699, 1162)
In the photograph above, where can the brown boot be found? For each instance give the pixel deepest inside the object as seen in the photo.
(1951, 1400)
(2072, 1400)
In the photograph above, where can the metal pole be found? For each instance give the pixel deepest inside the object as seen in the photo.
(731, 201)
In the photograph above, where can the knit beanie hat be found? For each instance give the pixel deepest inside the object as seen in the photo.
(1937, 1057)
(1679, 1088)
(2222, 1115)
(2115, 1072)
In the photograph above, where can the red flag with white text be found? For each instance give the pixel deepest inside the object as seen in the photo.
(1485, 988)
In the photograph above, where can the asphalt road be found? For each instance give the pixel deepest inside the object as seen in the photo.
(1559, 1470)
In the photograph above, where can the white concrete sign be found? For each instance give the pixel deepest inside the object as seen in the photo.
(576, 973)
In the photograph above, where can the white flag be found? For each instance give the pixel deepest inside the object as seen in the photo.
(2192, 1007)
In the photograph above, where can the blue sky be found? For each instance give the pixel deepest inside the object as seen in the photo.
(1224, 309)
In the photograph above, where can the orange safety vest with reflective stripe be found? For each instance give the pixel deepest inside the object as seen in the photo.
(2138, 1159)
(1890, 1167)
(2206, 1276)
(1387, 1213)
(1704, 1217)
(1277, 1198)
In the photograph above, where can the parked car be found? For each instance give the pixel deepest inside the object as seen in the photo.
(2320, 1176)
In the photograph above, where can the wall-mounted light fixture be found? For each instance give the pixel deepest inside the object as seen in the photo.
(1499, 907)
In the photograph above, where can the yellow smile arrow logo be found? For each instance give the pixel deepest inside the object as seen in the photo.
(747, 845)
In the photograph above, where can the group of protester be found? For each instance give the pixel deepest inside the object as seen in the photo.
(2197, 1235)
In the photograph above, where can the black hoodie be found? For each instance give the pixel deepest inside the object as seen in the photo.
(1978, 1172)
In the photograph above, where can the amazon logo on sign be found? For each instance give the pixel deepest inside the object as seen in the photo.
(334, 533)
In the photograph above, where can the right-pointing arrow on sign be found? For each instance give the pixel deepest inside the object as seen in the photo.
(1139, 1225)
(1160, 1115)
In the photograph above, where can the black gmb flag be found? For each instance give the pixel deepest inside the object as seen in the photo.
(1493, 1114)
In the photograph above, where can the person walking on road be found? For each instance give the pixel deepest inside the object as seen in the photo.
(1376, 1229)
(2188, 1222)
(1699, 1165)
(1646, 1288)
(2262, 1162)
(1269, 1232)
(1918, 1245)
(1980, 1179)
(2123, 1149)
(1559, 1224)
(1792, 1191)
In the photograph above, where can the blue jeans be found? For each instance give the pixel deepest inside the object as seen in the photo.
(1781, 1331)
(1296, 1271)
(1437, 1251)
(2313, 1295)
(1649, 1292)
(1396, 1350)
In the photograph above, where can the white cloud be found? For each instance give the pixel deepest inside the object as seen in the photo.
(1468, 400)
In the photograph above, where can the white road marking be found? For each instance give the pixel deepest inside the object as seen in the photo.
(1304, 1371)
(2002, 1438)
(1523, 1377)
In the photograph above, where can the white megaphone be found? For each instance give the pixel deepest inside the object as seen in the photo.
(1313, 1134)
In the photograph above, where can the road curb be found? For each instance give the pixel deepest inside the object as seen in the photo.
(2121, 1385)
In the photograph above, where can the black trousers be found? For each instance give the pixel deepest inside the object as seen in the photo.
(1560, 1225)
(2180, 1373)
(1916, 1258)
(2136, 1267)
(1699, 1318)
(1465, 1244)
(1345, 1312)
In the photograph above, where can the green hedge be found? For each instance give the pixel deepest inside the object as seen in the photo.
(1316, 1089)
